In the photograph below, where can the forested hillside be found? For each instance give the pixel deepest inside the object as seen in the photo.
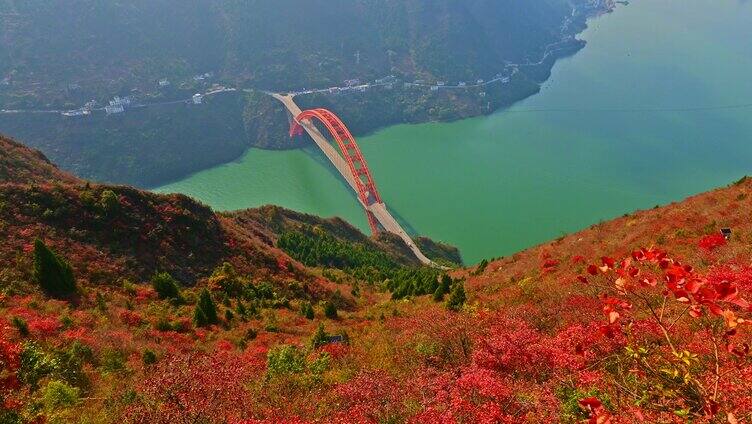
(274, 44)
(58, 56)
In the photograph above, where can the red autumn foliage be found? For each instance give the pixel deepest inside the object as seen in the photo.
(9, 364)
(712, 242)
(640, 327)
(371, 396)
(131, 318)
(44, 327)
(336, 350)
(193, 388)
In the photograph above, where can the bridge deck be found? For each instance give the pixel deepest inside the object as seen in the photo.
(378, 210)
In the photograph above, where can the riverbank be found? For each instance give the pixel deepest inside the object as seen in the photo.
(632, 121)
(370, 107)
(152, 146)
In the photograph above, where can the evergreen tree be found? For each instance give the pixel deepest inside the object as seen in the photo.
(199, 317)
(443, 288)
(240, 309)
(457, 297)
(21, 325)
(481, 267)
(206, 311)
(51, 272)
(101, 302)
(165, 286)
(319, 338)
(306, 310)
(252, 309)
(149, 357)
(330, 311)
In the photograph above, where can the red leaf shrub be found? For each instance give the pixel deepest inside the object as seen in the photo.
(9, 363)
(193, 388)
(44, 327)
(653, 285)
(336, 350)
(712, 242)
(130, 318)
(371, 396)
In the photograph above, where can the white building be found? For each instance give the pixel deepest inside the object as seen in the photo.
(114, 109)
(197, 99)
(462, 84)
(386, 80)
(479, 82)
(120, 101)
(164, 82)
(78, 112)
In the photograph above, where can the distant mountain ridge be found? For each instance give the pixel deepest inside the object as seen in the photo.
(57, 56)
(276, 44)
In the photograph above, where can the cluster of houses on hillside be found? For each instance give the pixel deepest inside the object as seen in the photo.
(85, 110)
(117, 105)
(202, 77)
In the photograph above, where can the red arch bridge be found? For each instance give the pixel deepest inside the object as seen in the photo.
(351, 164)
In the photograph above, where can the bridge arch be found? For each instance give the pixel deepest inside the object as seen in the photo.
(356, 162)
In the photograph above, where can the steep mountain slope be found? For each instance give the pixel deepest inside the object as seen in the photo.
(112, 232)
(115, 232)
(642, 319)
(273, 44)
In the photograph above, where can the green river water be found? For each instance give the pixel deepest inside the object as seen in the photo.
(635, 119)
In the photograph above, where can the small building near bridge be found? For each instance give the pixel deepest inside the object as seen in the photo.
(114, 109)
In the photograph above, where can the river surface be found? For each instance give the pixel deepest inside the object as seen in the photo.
(635, 119)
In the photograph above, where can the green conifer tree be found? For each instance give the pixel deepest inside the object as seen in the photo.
(206, 310)
(240, 309)
(306, 310)
(319, 337)
(199, 317)
(330, 311)
(165, 286)
(457, 297)
(443, 289)
(52, 273)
